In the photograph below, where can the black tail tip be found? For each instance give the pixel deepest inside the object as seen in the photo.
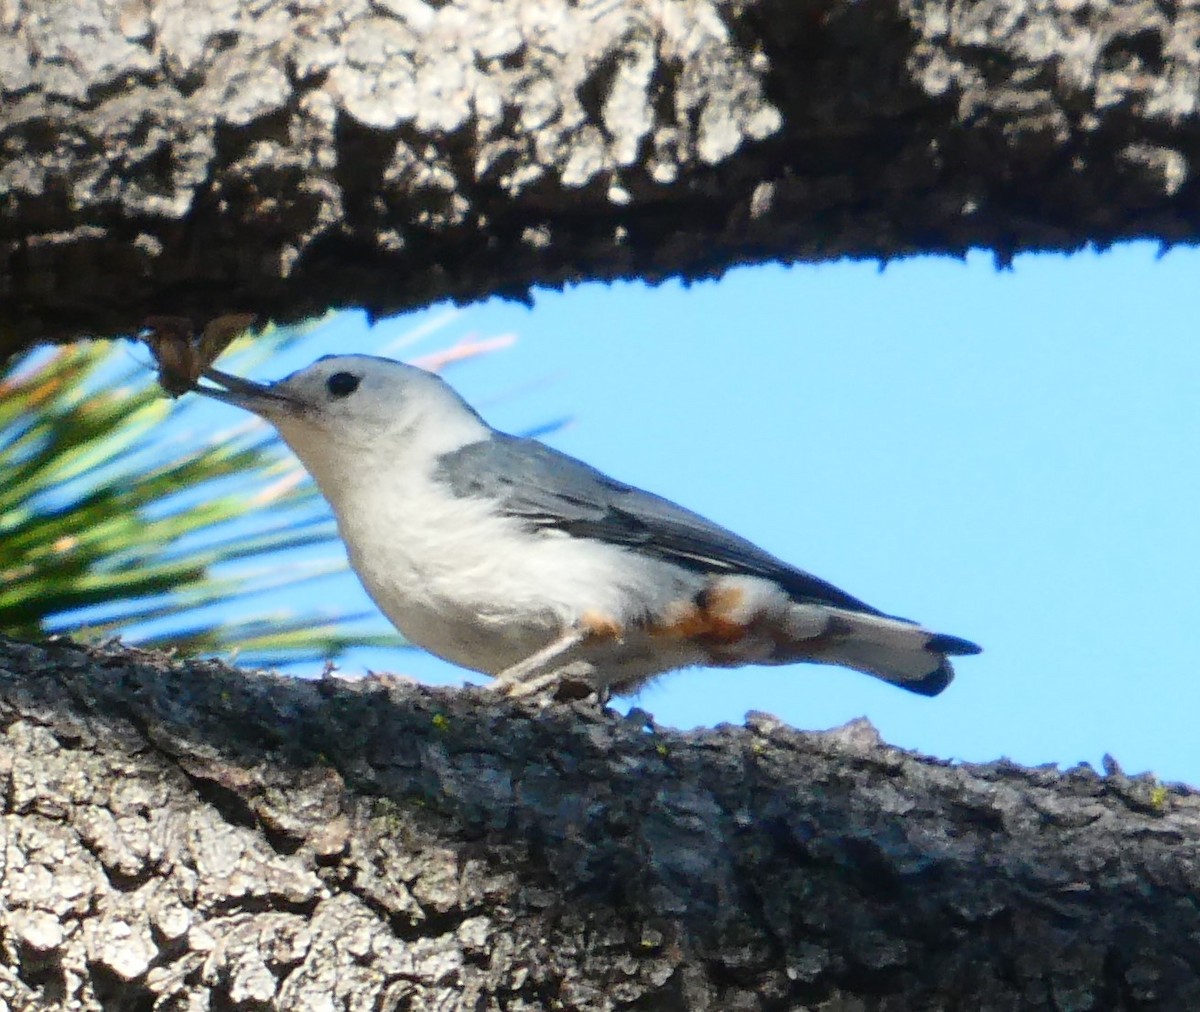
(932, 683)
(952, 645)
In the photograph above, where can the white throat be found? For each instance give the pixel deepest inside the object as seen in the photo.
(381, 463)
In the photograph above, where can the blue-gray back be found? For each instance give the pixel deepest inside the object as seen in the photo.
(548, 489)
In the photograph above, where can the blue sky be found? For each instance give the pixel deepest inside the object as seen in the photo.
(1005, 456)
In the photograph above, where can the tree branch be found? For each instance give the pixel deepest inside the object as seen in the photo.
(197, 159)
(200, 837)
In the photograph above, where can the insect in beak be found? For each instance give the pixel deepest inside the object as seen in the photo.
(257, 398)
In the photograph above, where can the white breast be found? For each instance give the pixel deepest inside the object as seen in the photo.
(482, 590)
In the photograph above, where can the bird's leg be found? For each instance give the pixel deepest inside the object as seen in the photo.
(515, 680)
(531, 686)
(512, 680)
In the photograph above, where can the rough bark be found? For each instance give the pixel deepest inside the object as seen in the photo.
(200, 157)
(189, 836)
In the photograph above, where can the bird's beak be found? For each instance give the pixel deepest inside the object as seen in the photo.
(254, 397)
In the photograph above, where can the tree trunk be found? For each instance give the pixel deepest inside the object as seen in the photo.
(189, 836)
(202, 157)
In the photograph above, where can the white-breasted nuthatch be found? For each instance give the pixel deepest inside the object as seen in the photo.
(508, 557)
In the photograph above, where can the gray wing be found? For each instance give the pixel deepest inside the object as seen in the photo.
(548, 489)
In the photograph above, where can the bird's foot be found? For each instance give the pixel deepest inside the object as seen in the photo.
(512, 680)
(570, 683)
(538, 674)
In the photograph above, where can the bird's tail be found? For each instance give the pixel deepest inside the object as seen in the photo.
(893, 649)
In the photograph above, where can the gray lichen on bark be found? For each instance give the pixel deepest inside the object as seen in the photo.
(185, 835)
(195, 159)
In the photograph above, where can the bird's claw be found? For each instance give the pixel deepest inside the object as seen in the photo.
(562, 685)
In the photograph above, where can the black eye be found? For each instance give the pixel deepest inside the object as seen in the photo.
(341, 384)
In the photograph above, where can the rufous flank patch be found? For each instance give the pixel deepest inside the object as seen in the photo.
(600, 626)
(706, 620)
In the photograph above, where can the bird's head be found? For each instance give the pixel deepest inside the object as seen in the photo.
(355, 411)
